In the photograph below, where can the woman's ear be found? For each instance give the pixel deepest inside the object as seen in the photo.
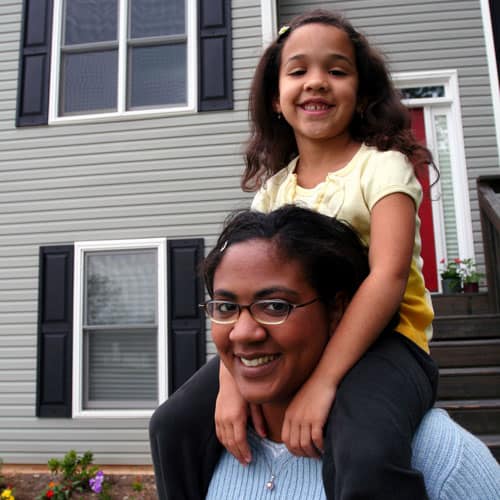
(337, 310)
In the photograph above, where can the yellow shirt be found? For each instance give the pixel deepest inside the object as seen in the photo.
(349, 194)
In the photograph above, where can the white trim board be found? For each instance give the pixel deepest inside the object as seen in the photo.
(269, 20)
(451, 101)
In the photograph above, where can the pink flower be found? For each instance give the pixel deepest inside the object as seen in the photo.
(457, 261)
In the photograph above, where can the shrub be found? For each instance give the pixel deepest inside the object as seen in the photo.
(74, 474)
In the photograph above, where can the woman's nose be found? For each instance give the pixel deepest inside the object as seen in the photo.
(247, 329)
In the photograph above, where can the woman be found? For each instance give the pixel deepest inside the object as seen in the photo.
(279, 284)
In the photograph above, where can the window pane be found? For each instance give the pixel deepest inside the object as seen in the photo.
(422, 92)
(446, 184)
(156, 18)
(121, 288)
(88, 21)
(122, 369)
(89, 82)
(158, 75)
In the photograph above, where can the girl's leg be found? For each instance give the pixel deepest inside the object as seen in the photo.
(378, 407)
(184, 445)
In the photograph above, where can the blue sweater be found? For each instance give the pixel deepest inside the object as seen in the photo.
(455, 464)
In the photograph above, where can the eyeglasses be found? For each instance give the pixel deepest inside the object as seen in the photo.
(265, 312)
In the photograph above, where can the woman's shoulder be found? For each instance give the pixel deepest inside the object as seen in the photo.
(453, 460)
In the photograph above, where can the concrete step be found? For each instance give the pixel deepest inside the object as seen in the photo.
(469, 383)
(466, 353)
(480, 416)
(468, 326)
(460, 303)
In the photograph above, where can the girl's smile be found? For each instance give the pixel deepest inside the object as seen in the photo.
(318, 83)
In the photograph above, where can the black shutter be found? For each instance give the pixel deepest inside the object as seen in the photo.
(55, 327)
(186, 321)
(215, 68)
(34, 63)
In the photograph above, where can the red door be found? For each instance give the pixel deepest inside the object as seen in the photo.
(425, 211)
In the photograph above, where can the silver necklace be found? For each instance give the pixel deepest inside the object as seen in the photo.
(270, 483)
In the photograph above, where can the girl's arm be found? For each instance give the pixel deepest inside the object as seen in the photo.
(231, 415)
(392, 236)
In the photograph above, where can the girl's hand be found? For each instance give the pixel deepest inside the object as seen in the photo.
(305, 418)
(231, 414)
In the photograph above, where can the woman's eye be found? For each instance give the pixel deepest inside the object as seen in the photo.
(276, 307)
(226, 307)
(297, 72)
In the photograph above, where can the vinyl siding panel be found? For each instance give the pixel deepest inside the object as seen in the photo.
(432, 35)
(169, 176)
(161, 176)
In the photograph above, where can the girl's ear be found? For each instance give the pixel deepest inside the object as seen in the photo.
(276, 105)
(337, 311)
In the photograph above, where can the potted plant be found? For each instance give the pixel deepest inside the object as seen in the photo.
(451, 279)
(470, 276)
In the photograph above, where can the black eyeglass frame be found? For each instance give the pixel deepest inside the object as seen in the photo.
(291, 308)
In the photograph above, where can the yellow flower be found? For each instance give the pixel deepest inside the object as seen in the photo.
(7, 495)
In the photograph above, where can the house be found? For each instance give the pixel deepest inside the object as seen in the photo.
(121, 132)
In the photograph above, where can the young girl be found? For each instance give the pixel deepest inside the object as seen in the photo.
(329, 132)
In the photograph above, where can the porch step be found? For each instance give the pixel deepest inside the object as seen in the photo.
(477, 416)
(460, 303)
(466, 353)
(466, 326)
(469, 383)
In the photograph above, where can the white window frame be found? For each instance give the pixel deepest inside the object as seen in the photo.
(81, 248)
(450, 106)
(122, 112)
(269, 20)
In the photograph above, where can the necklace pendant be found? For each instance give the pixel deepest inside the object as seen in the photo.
(270, 483)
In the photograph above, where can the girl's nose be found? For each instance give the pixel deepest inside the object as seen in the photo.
(317, 81)
(246, 329)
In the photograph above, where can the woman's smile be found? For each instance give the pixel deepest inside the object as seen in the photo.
(257, 361)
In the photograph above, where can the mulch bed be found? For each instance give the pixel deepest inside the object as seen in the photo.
(29, 486)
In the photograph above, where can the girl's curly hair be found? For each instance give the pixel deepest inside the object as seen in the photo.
(384, 122)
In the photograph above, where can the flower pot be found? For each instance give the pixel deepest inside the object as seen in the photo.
(471, 287)
(451, 285)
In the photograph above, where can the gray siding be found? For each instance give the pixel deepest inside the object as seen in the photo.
(173, 177)
(432, 35)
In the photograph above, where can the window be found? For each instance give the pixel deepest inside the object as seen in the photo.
(119, 325)
(99, 59)
(118, 56)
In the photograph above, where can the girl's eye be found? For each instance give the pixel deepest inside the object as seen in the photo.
(337, 72)
(297, 72)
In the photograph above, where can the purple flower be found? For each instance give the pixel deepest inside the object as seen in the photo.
(96, 482)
